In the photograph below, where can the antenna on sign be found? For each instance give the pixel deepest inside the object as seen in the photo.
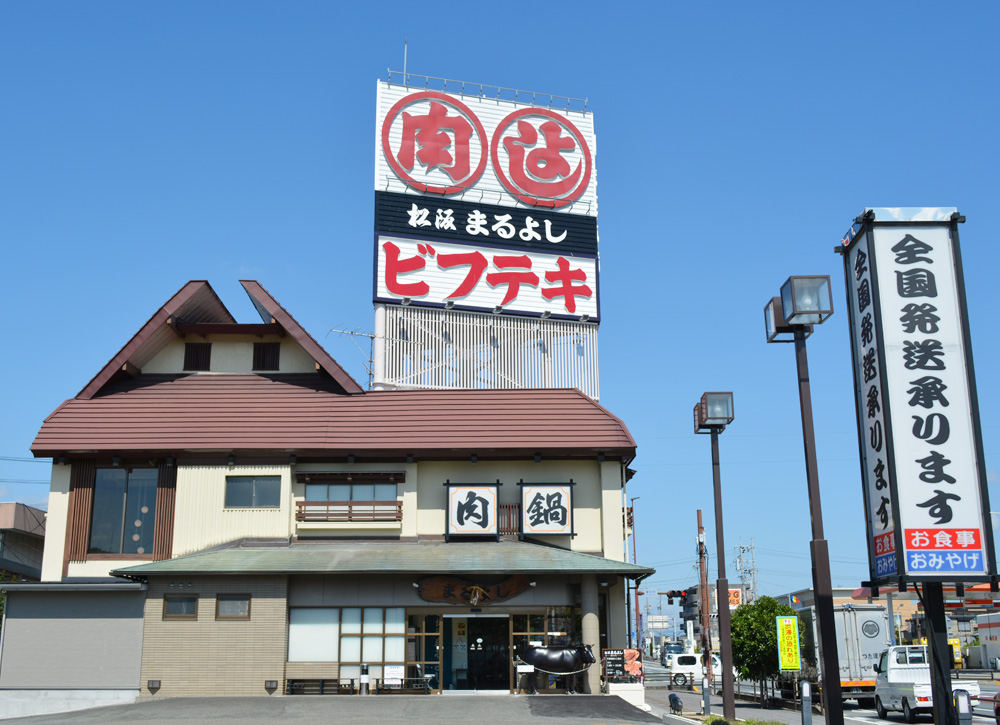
(405, 43)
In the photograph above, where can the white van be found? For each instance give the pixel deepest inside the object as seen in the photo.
(687, 668)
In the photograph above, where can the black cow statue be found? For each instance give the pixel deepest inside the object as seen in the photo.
(560, 661)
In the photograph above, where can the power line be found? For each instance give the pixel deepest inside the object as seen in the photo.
(25, 460)
(23, 480)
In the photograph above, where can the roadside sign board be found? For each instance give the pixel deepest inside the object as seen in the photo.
(788, 643)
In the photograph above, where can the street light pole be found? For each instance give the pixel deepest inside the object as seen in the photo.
(713, 413)
(806, 301)
(722, 593)
(822, 585)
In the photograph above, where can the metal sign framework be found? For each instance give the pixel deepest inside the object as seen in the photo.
(419, 348)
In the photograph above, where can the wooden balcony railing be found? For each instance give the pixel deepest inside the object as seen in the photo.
(349, 511)
(510, 518)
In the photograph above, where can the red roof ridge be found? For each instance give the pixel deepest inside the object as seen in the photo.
(268, 307)
(159, 318)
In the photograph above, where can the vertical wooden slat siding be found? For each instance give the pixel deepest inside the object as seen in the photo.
(163, 534)
(81, 499)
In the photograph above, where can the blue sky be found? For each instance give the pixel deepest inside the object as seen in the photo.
(146, 144)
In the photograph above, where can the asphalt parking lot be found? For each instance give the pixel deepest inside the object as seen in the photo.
(372, 710)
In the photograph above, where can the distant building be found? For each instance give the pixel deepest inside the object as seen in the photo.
(22, 540)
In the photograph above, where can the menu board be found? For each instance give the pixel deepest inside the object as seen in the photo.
(622, 664)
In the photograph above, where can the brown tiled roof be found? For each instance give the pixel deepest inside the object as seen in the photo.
(309, 413)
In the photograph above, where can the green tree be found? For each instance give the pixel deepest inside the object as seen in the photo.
(755, 638)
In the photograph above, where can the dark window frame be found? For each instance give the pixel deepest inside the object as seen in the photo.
(93, 519)
(197, 357)
(233, 596)
(180, 617)
(266, 356)
(253, 494)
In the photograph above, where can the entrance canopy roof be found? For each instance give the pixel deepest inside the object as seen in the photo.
(389, 558)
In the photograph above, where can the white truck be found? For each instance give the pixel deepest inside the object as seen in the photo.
(862, 634)
(903, 682)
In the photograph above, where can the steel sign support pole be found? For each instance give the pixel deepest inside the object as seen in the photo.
(822, 585)
(722, 587)
(939, 655)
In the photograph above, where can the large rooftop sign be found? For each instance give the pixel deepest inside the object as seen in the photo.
(485, 150)
(926, 501)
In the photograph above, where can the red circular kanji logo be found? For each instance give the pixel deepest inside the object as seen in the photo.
(436, 144)
(540, 169)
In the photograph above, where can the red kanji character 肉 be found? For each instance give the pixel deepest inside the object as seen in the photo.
(513, 280)
(429, 133)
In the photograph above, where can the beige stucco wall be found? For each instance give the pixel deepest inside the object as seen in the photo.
(232, 354)
(202, 520)
(210, 657)
(587, 494)
(55, 534)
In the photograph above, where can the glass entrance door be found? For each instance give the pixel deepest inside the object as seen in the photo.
(489, 653)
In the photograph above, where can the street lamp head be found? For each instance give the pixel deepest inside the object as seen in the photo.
(806, 300)
(713, 411)
(774, 323)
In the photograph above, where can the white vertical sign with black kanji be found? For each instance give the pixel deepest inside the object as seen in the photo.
(547, 508)
(929, 404)
(870, 392)
(472, 510)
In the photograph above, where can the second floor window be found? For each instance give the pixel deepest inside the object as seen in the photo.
(351, 492)
(253, 491)
(124, 511)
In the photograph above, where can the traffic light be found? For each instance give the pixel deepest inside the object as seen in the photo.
(677, 594)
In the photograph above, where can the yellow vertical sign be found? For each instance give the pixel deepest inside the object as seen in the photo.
(788, 643)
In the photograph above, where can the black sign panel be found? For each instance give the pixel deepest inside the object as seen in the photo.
(614, 663)
(469, 222)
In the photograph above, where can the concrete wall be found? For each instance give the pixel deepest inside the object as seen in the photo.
(74, 640)
(209, 657)
(232, 354)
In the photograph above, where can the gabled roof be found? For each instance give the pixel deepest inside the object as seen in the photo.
(390, 558)
(309, 414)
(269, 309)
(196, 302)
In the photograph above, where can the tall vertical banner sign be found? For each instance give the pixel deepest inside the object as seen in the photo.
(788, 643)
(925, 496)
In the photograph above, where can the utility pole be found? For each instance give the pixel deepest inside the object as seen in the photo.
(703, 602)
(635, 560)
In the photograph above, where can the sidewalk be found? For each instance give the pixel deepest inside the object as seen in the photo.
(658, 699)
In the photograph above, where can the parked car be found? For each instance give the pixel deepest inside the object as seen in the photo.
(687, 668)
(903, 682)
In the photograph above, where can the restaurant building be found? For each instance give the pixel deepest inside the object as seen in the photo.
(231, 513)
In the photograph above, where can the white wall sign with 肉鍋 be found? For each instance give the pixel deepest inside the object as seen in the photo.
(432, 273)
(912, 375)
(472, 510)
(547, 508)
(486, 150)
